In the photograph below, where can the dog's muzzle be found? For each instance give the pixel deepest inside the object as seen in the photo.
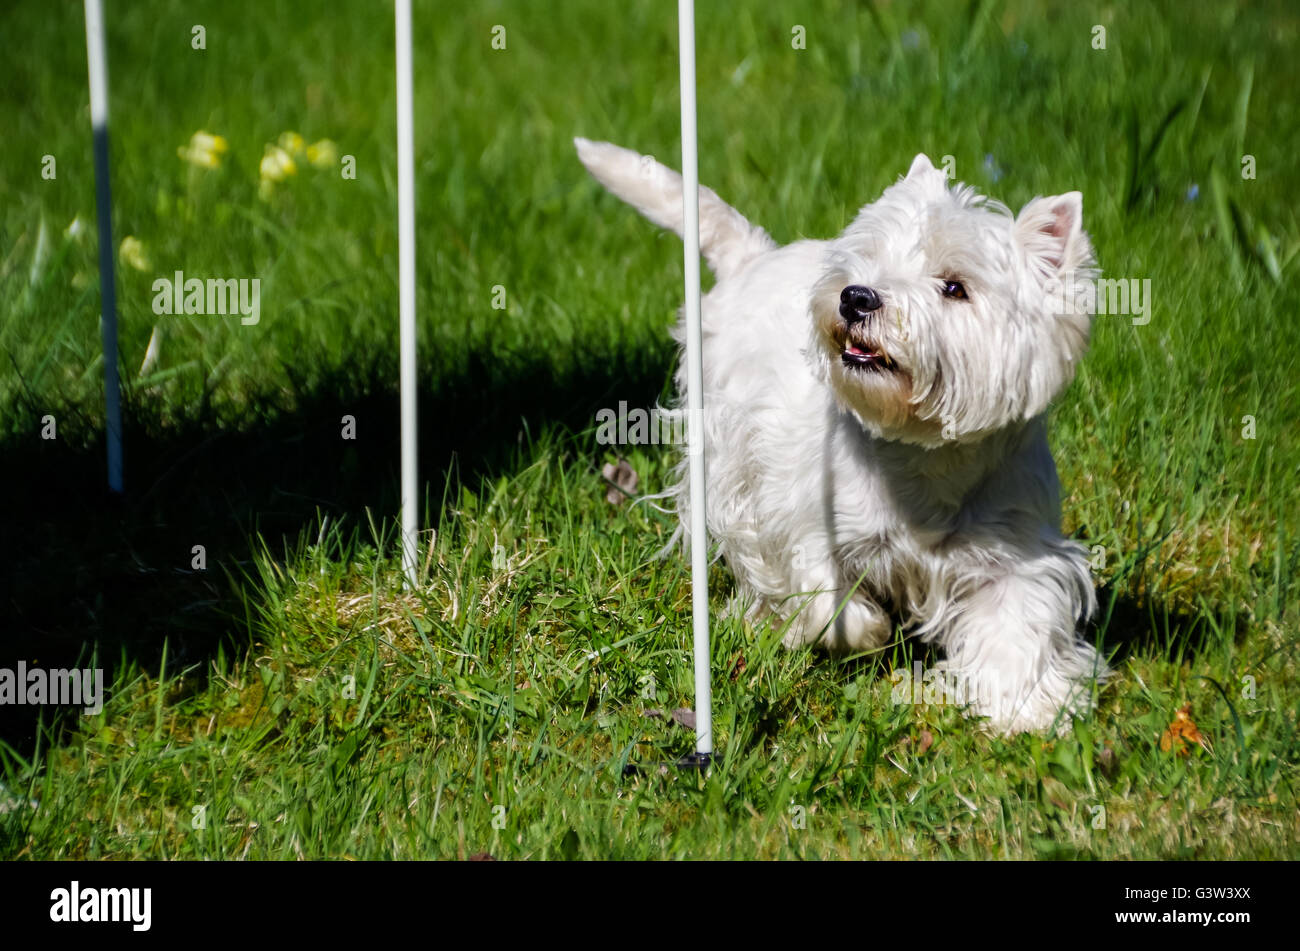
(857, 304)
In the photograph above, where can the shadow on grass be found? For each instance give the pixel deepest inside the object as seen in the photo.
(83, 571)
(1157, 627)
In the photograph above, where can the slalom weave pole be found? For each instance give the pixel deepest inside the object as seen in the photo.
(97, 67)
(406, 289)
(695, 385)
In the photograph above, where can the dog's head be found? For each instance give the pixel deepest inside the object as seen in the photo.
(939, 317)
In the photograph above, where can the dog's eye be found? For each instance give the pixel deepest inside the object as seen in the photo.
(954, 290)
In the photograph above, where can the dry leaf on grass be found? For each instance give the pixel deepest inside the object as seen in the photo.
(622, 480)
(682, 716)
(738, 668)
(1181, 732)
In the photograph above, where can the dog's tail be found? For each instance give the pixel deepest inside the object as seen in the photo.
(727, 240)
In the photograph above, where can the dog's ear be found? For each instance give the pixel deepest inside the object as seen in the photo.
(925, 174)
(920, 165)
(923, 178)
(1051, 232)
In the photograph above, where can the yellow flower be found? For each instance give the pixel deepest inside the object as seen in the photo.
(199, 157)
(204, 149)
(277, 164)
(209, 142)
(323, 154)
(291, 142)
(132, 252)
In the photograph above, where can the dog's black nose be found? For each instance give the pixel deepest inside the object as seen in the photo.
(857, 302)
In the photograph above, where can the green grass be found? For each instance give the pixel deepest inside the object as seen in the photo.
(314, 709)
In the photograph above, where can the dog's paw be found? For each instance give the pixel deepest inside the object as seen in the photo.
(1048, 704)
(856, 626)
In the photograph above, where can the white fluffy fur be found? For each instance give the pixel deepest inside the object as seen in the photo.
(926, 491)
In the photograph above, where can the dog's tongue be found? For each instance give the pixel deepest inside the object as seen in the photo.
(854, 348)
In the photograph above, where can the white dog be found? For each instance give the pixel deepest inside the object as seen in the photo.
(874, 429)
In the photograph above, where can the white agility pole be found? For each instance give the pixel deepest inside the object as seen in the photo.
(695, 384)
(97, 67)
(406, 289)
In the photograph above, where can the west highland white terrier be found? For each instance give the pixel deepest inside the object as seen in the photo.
(874, 428)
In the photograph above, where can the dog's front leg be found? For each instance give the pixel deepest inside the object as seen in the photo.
(1013, 654)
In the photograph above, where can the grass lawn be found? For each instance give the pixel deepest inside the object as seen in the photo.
(290, 700)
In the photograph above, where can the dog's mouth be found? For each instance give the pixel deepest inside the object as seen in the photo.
(865, 356)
